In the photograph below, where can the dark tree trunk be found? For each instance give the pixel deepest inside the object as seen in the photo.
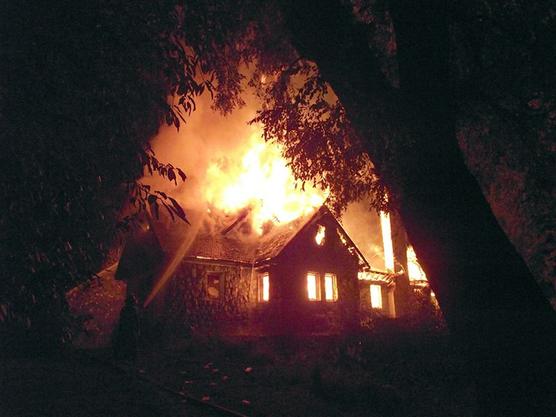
(490, 300)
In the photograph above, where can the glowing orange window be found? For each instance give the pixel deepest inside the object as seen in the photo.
(264, 288)
(313, 286)
(214, 285)
(330, 287)
(376, 296)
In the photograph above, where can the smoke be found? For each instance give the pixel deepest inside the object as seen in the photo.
(362, 224)
(207, 135)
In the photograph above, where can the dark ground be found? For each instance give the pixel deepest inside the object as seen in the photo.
(73, 385)
(389, 373)
(383, 372)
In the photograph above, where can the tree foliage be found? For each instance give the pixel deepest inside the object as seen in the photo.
(84, 87)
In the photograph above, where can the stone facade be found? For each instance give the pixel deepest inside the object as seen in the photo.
(190, 300)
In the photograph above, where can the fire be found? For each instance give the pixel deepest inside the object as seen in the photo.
(262, 182)
(319, 237)
(387, 241)
(414, 270)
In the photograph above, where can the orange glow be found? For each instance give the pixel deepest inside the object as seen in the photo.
(330, 287)
(376, 296)
(319, 237)
(364, 276)
(312, 287)
(261, 181)
(387, 241)
(414, 270)
(265, 288)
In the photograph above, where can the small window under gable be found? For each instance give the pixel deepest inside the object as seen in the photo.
(313, 286)
(214, 284)
(264, 288)
(330, 287)
(321, 234)
(376, 296)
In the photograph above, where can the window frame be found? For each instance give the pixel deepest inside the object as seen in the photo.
(334, 287)
(260, 287)
(380, 305)
(318, 295)
(220, 276)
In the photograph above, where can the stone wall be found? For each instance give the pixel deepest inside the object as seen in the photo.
(188, 304)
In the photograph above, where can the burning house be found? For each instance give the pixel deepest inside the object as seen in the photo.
(305, 276)
(264, 256)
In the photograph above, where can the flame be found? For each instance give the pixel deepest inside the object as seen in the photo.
(319, 237)
(261, 181)
(414, 270)
(387, 241)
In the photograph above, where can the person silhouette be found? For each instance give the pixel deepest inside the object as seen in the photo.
(124, 343)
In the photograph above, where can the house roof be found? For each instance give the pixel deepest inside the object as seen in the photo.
(223, 237)
(240, 244)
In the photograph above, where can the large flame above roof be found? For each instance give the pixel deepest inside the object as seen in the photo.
(260, 181)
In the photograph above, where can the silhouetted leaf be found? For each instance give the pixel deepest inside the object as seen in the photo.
(181, 174)
(178, 210)
(170, 211)
(171, 175)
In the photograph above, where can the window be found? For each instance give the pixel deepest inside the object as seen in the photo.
(376, 296)
(330, 287)
(313, 286)
(264, 287)
(319, 237)
(214, 285)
